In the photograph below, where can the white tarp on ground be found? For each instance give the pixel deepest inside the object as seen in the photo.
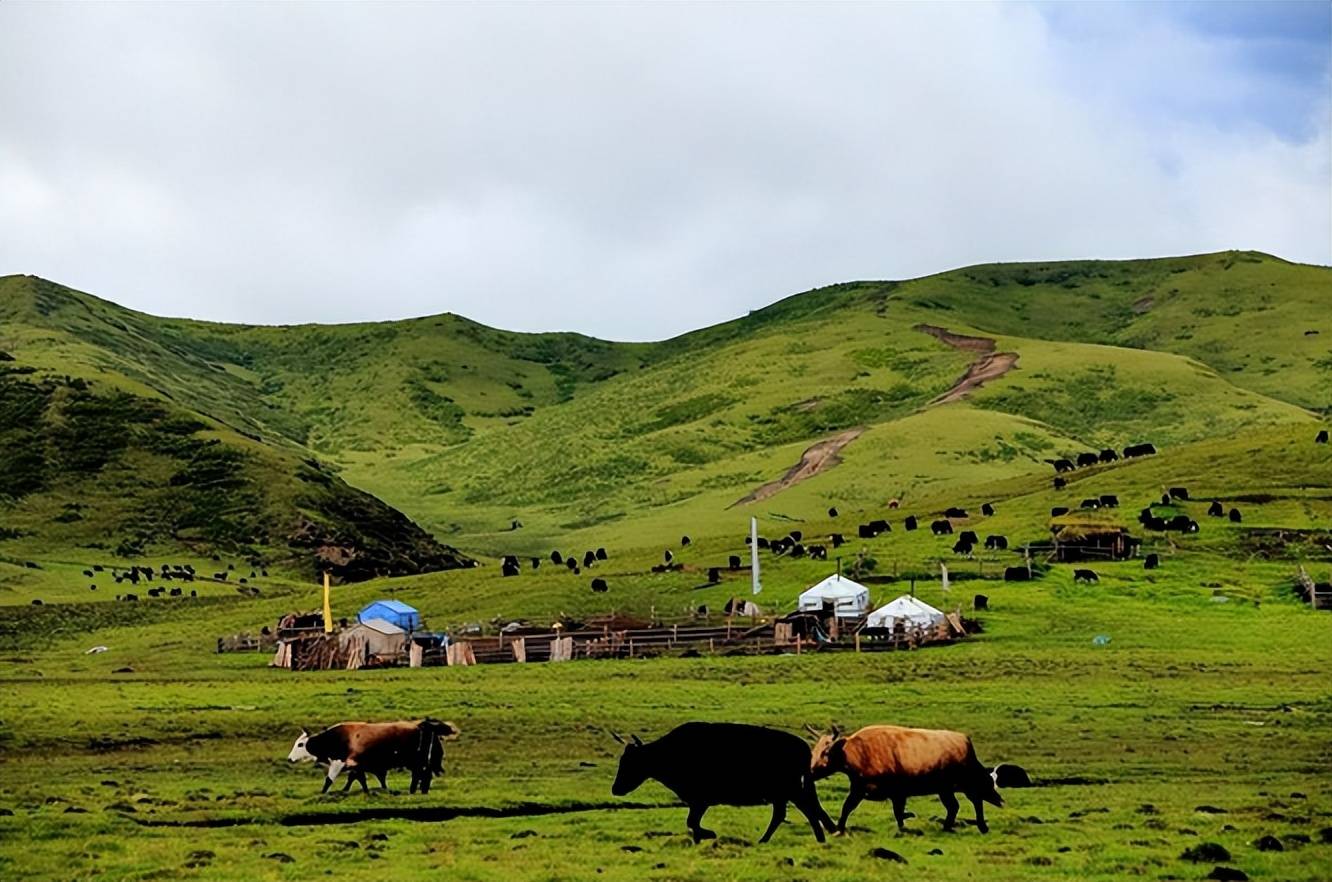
(911, 611)
(850, 599)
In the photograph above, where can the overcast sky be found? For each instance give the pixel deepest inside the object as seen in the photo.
(635, 171)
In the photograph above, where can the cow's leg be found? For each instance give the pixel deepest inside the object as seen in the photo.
(334, 768)
(979, 803)
(899, 811)
(695, 823)
(351, 779)
(778, 815)
(950, 806)
(808, 803)
(853, 799)
(383, 779)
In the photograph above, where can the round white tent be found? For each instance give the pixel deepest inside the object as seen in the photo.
(911, 611)
(848, 599)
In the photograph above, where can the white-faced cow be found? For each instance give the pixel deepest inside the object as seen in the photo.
(375, 748)
(707, 764)
(894, 763)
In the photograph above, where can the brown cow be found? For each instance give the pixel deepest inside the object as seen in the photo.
(375, 748)
(894, 762)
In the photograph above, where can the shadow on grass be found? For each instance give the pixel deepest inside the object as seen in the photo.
(398, 813)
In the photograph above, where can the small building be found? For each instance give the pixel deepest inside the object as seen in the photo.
(1090, 540)
(836, 595)
(395, 611)
(379, 637)
(910, 611)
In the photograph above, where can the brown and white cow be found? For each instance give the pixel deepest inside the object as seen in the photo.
(894, 763)
(375, 748)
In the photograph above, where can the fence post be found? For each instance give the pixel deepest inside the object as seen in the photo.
(857, 641)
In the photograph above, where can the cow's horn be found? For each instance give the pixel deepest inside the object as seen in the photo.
(617, 736)
(811, 730)
(637, 740)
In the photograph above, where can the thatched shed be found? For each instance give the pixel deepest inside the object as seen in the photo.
(1092, 540)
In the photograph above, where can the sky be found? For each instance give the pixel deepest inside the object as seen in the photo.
(634, 171)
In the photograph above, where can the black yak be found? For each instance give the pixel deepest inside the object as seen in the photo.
(1087, 459)
(909, 523)
(734, 561)
(941, 528)
(1235, 516)
(1084, 576)
(1060, 483)
(1139, 450)
(1017, 574)
(980, 601)
(1061, 465)
(836, 540)
(1179, 492)
(684, 541)
(599, 586)
(1215, 509)
(1109, 500)
(707, 764)
(955, 513)
(1108, 455)
(1321, 437)
(996, 543)
(832, 512)
(987, 510)
(1058, 511)
(962, 546)
(1151, 562)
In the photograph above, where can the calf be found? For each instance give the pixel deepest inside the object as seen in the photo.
(1084, 576)
(707, 764)
(894, 763)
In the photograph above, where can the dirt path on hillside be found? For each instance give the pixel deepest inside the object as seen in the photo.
(817, 458)
(990, 365)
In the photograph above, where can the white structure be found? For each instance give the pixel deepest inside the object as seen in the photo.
(910, 611)
(849, 600)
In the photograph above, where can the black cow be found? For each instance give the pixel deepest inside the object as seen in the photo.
(969, 537)
(1091, 503)
(1087, 459)
(1151, 562)
(684, 540)
(980, 601)
(1179, 492)
(987, 510)
(832, 512)
(1155, 523)
(996, 543)
(599, 586)
(590, 559)
(1016, 574)
(942, 528)
(881, 526)
(955, 513)
(865, 531)
(1183, 523)
(698, 763)
(1061, 465)
(1215, 509)
(962, 546)
(836, 540)
(1084, 576)
(1109, 500)
(734, 561)
(796, 535)
(571, 563)
(797, 550)
(714, 575)
(1235, 516)
(1059, 511)
(1165, 499)
(1060, 483)
(1134, 450)
(601, 554)
(556, 558)
(536, 563)
(1108, 455)
(909, 523)
(818, 552)
(667, 556)
(1321, 437)
(88, 573)
(764, 543)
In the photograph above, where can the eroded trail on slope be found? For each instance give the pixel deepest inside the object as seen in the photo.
(989, 365)
(816, 458)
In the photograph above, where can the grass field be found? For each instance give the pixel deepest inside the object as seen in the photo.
(1205, 718)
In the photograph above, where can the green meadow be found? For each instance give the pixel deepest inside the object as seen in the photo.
(1202, 714)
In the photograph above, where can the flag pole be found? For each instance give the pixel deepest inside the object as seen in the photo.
(328, 607)
(753, 555)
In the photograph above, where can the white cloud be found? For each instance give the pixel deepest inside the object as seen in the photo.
(628, 171)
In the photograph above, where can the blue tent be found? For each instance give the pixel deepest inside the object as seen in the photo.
(394, 611)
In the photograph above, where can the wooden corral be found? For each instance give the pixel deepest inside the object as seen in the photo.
(1318, 596)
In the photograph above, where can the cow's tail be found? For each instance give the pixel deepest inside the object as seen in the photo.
(986, 788)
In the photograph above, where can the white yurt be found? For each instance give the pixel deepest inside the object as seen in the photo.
(848, 599)
(911, 611)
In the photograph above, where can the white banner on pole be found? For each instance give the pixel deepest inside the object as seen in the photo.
(753, 554)
(943, 570)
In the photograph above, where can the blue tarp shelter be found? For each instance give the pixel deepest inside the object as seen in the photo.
(394, 611)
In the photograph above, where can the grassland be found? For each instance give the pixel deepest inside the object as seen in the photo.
(160, 759)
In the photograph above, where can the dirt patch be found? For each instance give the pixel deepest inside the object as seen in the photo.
(817, 458)
(990, 365)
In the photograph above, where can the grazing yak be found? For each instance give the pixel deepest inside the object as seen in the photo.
(714, 575)
(955, 513)
(987, 509)
(818, 552)
(375, 748)
(1017, 574)
(1087, 459)
(1321, 437)
(684, 541)
(962, 546)
(1060, 483)
(707, 764)
(1108, 455)
(1179, 493)
(1235, 516)
(980, 601)
(599, 586)
(1059, 511)
(996, 543)
(837, 540)
(894, 763)
(556, 558)
(796, 535)
(942, 527)
(589, 560)
(909, 523)
(1084, 576)
(1061, 465)
(1151, 562)
(1109, 500)
(832, 512)
(733, 561)
(1134, 450)
(1091, 502)
(1215, 509)
(601, 554)
(968, 536)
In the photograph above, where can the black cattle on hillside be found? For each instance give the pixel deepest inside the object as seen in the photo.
(1062, 465)
(734, 561)
(987, 510)
(764, 543)
(1108, 455)
(968, 536)
(1058, 511)
(600, 586)
(714, 575)
(1179, 493)
(1321, 437)
(980, 601)
(955, 513)
(556, 558)
(796, 535)
(1155, 523)
(996, 543)
(701, 763)
(1165, 499)
(1109, 500)
(942, 528)
(571, 563)
(667, 556)
(1135, 450)
(508, 569)
(962, 546)
(1151, 562)
(590, 559)
(880, 526)
(1084, 576)
(1235, 516)
(865, 531)
(818, 552)
(1060, 483)
(1087, 459)
(832, 512)
(797, 550)
(1183, 523)
(1091, 503)
(601, 554)
(1017, 574)
(684, 541)
(909, 523)
(836, 539)
(1215, 509)
(536, 563)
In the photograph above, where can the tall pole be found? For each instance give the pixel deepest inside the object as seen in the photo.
(328, 607)
(753, 554)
